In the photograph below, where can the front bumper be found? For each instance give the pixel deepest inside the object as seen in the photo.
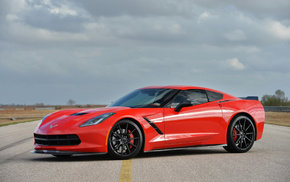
(91, 139)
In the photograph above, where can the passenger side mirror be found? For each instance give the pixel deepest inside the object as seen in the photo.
(185, 103)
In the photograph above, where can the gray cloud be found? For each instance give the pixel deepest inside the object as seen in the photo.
(259, 8)
(95, 51)
(151, 8)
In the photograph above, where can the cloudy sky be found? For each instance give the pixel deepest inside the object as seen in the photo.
(94, 51)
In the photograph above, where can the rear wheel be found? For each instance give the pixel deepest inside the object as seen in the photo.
(241, 135)
(125, 140)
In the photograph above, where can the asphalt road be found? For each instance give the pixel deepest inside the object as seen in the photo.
(268, 160)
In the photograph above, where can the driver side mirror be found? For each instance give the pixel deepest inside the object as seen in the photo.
(185, 103)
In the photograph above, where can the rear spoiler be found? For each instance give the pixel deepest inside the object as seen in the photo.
(250, 98)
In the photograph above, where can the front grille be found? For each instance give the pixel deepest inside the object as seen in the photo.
(57, 140)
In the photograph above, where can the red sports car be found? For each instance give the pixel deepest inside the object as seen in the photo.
(153, 118)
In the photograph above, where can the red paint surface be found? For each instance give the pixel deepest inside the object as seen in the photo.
(203, 124)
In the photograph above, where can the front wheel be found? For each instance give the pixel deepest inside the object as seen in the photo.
(125, 140)
(241, 135)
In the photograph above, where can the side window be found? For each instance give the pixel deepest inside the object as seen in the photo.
(212, 96)
(194, 96)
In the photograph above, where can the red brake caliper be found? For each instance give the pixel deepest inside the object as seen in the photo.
(131, 136)
(234, 134)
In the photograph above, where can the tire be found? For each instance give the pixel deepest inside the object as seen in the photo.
(241, 135)
(125, 140)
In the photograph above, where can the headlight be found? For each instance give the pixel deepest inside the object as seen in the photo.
(97, 120)
(43, 120)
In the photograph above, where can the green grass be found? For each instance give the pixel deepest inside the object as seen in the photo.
(275, 118)
(15, 122)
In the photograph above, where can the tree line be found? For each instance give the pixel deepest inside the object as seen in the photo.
(278, 99)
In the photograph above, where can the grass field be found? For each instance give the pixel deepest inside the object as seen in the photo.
(8, 117)
(277, 118)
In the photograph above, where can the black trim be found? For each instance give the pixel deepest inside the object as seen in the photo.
(222, 101)
(78, 114)
(250, 98)
(169, 102)
(57, 152)
(154, 126)
(183, 148)
(170, 97)
(57, 140)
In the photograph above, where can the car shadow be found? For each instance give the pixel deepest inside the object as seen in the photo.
(78, 158)
(151, 154)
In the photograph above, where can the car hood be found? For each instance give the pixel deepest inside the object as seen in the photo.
(98, 111)
(65, 119)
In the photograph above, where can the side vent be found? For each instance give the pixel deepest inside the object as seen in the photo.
(154, 126)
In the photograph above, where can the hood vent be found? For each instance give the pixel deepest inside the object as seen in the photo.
(79, 114)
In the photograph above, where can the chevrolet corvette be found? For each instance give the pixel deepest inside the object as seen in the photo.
(154, 118)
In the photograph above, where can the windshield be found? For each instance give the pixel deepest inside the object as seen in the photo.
(146, 98)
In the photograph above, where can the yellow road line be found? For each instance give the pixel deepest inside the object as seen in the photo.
(126, 171)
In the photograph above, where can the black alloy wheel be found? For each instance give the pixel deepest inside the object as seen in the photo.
(241, 135)
(125, 140)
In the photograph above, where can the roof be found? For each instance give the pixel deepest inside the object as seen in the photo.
(179, 87)
(186, 87)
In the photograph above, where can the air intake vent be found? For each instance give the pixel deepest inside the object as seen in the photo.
(79, 114)
(57, 140)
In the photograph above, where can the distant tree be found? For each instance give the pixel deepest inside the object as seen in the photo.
(278, 99)
(39, 104)
(71, 102)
